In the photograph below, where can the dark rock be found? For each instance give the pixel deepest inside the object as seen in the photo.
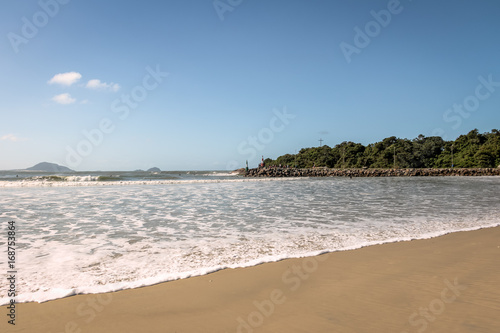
(326, 172)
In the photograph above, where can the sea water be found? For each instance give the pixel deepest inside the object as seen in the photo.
(100, 232)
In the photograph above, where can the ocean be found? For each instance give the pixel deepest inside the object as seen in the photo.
(97, 232)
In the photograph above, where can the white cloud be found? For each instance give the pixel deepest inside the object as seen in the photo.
(65, 79)
(11, 137)
(97, 84)
(64, 99)
(85, 101)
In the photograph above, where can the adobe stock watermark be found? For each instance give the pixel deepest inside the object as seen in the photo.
(30, 28)
(470, 104)
(122, 107)
(254, 143)
(363, 37)
(223, 6)
(88, 311)
(420, 319)
(292, 278)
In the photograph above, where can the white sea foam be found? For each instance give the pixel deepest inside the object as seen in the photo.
(72, 181)
(91, 239)
(221, 174)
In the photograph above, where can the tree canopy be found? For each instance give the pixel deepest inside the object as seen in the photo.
(473, 150)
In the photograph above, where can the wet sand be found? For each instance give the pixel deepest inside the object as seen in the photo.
(445, 284)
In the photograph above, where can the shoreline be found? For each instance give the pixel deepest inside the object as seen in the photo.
(377, 288)
(273, 172)
(250, 264)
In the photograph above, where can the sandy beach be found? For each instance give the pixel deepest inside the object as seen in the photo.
(444, 284)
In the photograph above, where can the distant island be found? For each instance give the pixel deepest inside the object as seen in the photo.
(154, 169)
(49, 167)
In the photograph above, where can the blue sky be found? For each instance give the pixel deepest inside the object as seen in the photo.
(197, 85)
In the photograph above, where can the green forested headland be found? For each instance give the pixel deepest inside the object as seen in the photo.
(473, 150)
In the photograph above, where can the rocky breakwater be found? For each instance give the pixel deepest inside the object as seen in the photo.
(327, 172)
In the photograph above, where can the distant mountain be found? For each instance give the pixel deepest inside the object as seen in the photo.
(49, 167)
(155, 169)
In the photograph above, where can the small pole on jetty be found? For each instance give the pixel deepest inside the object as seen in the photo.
(343, 157)
(452, 165)
(394, 157)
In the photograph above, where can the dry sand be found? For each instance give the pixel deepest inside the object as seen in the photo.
(445, 284)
